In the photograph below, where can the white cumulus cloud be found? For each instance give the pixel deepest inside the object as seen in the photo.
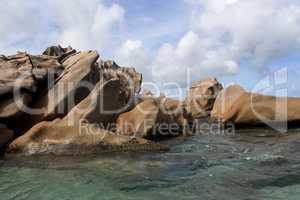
(86, 25)
(34, 25)
(224, 34)
(222, 37)
(191, 58)
(133, 54)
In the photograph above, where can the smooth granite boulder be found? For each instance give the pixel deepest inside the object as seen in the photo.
(244, 108)
(140, 120)
(225, 100)
(153, 117)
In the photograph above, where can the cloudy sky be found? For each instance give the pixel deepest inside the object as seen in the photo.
(169, 41)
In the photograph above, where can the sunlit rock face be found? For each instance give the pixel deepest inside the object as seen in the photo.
(60, 138)
(225, 100)
(201, 97)
(22, 77)
(236, 105)
(74, 102)
(153, 117)
(83, 130)
(59, 84)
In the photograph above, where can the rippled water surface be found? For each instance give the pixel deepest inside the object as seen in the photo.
(200, 167)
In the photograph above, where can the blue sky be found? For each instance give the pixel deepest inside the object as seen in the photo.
(237, 41)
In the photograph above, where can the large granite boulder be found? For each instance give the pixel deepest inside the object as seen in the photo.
(46, 95)
(244, 108)
(22, 77)
(225, 100)
(201, 96)
(113, 94)
(81, 131)
(153, 117)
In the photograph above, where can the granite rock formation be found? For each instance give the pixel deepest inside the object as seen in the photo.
(201, 97)
(240, 107)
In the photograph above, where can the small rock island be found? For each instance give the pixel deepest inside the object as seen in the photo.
(68, 102)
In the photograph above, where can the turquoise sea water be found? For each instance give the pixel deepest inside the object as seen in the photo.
(200, 167)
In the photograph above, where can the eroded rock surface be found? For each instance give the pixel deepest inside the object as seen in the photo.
(130, 79)
(22, 77)
(76, 99)
(74, 84)
(58, 51)
(201, 97)
(80, 131)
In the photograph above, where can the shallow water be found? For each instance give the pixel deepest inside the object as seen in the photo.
(199, 167)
